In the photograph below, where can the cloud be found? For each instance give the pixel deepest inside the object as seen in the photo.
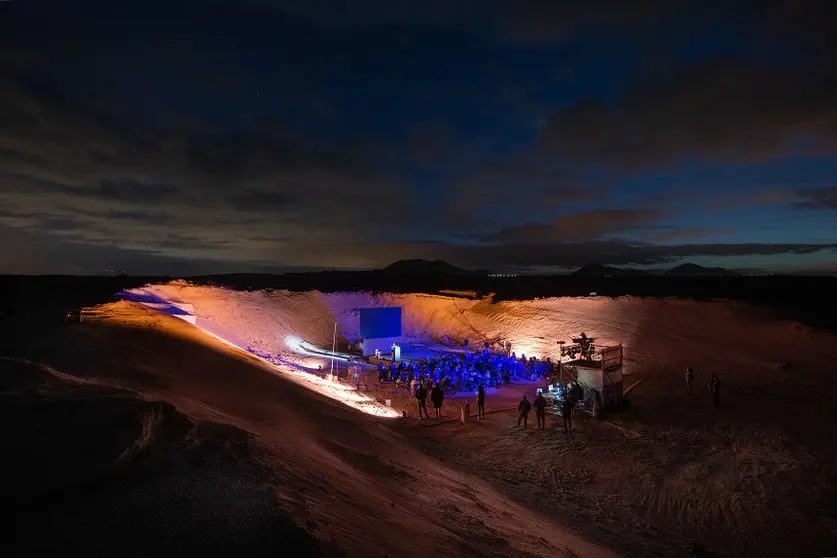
(668, 198)
(24, 253)
(550, 21)
(56, 157)
(127, 191)
(656, 24)
(141, 155)
(259, 201)
(370, 13)
(671, 233)
(777, 96)
(776, 196)
(722, 109)
(527, 22)
(800, 198)
(817, 198)
(95, 158)
(522, 180)
(578, 226)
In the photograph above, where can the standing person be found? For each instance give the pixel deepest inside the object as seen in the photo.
(540, 410)
(597, 405)
(481, 402)
(437, 397)
(715, 389)
(690, 377)
(421, 397)
(523, 408)
(578, 392)
(567, 414)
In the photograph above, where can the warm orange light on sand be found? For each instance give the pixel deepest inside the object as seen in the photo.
(524, 348)
(345, 394)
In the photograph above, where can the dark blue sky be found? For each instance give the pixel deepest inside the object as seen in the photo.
(179, 137)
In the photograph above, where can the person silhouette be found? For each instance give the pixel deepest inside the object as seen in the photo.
(523, 408)
(421, 398)
(715, 390)
(567, 414)
(540, 410)
(481, 401)
(690, 377)
(437, 397)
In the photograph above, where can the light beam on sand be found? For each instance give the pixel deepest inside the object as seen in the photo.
(303, 347)
(345, 394)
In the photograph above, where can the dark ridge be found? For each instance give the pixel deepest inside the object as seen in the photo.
(423, 267)
(694, 270)
(598, 270)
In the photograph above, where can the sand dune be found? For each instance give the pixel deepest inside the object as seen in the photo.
(674, 333)
(744, 480)
(343, 476)
(99, 471)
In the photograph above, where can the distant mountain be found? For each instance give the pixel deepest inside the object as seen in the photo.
(423, 267)
(694, 270)
(685, 270)
(598, 270)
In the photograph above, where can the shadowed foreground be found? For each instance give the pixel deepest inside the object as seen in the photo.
(103, 472)
(239, 456)
(237, 461)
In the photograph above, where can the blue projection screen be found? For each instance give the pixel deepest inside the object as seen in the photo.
(376, 323)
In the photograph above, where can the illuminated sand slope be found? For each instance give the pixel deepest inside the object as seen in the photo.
(347, 478)
(746, 479)
(299, 370)
(674, 333)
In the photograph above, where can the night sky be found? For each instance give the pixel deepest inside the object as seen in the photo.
(164, 136)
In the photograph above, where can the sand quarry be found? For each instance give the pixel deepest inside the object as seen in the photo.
(136, 433)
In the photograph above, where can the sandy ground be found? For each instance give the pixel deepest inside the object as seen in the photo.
(98, 471)
(237, 461)
(402, 399)
(754, 478)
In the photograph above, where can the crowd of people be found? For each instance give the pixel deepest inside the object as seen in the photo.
(435, 375)
(464, 372)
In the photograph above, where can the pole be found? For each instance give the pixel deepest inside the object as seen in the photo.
(333, 349)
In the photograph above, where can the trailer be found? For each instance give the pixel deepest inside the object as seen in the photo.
(602, 370)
